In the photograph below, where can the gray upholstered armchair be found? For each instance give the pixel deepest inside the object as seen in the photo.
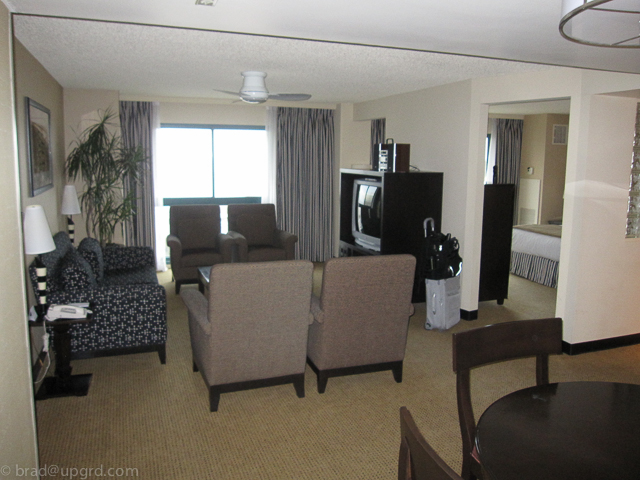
(361, 316)
(253, 227)
(252, 329)
(195, 241)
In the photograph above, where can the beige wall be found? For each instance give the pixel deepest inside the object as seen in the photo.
(555, 166)
(33, 81)
(446, 127)
(212, 114)
(548, 162)
(18, 442)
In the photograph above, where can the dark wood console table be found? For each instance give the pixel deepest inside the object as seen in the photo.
(63, 384)
(586, 430)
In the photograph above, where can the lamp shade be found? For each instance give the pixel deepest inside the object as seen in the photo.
(37, 235)
(70, 205)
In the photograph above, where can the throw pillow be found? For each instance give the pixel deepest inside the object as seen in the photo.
(91, 251)
(76, 273)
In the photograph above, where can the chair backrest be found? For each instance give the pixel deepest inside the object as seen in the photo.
(259, 315)
(255, 221)
(417, 459)
(496, 343)
(197, 226)
(366, 304)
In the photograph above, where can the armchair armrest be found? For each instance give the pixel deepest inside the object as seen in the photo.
(241, 245)
(286, 240)
(198, 308)
(226, 244)
(316, 309)
(125, 258)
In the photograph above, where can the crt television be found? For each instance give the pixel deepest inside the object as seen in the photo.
(366, 214)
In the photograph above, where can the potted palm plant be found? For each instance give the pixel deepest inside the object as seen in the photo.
(105, 165)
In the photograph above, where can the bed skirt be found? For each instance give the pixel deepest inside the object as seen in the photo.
(537, 269)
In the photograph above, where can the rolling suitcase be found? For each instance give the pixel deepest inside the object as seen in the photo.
(443, 303)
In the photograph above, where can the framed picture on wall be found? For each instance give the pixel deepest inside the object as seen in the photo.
(39, 147)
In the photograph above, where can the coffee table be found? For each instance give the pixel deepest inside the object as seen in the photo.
(203, 280)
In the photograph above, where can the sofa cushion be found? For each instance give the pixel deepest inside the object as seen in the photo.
(53, 260)
(91, 251)
(137, 276)
(257, 229)
(76, 273)
(196, 233)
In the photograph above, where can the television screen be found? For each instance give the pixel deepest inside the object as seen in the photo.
(367, 213)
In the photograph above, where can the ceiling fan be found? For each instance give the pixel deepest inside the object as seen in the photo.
(254, 90)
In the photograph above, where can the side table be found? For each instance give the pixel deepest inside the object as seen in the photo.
(63, 384)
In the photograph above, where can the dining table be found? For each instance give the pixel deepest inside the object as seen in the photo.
(568, 430)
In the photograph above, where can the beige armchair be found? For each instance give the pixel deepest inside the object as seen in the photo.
(361, 316)
(253, 227)
(195, 241)
(252, 330)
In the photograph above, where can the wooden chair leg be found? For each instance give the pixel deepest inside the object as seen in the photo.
(214, 399)
(397, 373)
(162, 353)
(298, 384)
(322, 381)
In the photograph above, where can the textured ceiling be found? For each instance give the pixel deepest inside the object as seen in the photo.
(141, 60)
(336, 50)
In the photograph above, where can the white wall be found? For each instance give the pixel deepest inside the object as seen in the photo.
(82, 108)
(446, 127)
(18, 443)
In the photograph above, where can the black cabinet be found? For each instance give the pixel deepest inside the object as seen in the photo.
(495, 259)
(407, 199)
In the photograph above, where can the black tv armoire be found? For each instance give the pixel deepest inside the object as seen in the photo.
(407, 199)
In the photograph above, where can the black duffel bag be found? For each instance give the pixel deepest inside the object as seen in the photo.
(441, 253)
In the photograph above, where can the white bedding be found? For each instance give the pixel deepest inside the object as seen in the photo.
(538, 244)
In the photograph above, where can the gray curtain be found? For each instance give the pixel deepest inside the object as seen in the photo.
(304, 179)
(508, 149)
(136, 128)
(378, 132)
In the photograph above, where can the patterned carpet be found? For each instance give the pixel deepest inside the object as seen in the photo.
(155, 418)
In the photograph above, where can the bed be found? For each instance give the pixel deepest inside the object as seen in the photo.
(535, 253)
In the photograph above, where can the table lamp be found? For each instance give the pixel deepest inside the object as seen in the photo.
(70, 206)
(38, 240)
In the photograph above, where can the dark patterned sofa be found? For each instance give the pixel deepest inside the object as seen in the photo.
(129, 306)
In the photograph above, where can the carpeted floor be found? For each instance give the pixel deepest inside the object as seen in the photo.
(155, 418)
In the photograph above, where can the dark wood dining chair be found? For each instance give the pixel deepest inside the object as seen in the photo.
(497, 343)
(418, 460)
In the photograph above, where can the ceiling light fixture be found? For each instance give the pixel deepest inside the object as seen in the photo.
(591, 22)
(208, 3)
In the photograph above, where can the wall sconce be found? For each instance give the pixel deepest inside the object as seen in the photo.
(38, 240)
(70, 206)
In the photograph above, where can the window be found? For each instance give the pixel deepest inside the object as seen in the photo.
(212, 164)
(222, 164)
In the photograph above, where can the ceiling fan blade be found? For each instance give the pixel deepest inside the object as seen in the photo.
(235, 94)
(290, 97)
